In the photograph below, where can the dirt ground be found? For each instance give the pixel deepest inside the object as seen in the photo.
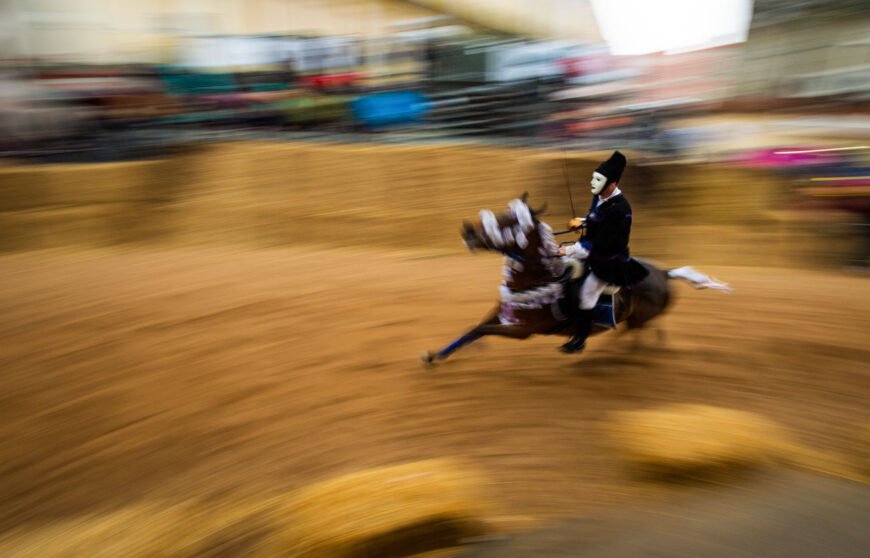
(787, 515)
(165, 375)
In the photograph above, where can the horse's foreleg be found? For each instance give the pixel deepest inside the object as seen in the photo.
(512, 331)
(475, 333)
(465, 339)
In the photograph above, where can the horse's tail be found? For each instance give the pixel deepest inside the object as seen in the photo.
(697, 279)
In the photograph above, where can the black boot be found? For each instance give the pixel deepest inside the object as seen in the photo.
(584, 326)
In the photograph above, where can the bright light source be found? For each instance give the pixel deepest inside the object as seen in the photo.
(821, 150)
(644, 26)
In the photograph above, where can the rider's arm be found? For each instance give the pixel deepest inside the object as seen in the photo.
(577, 251)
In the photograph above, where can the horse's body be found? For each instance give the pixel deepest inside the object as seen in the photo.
(533, 299)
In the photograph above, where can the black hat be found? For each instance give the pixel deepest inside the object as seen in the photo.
(613, 167)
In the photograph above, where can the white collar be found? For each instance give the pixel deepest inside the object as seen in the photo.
(616, 192)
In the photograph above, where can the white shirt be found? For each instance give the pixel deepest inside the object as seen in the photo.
(616, 192)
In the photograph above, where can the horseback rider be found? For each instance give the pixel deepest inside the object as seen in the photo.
(603, 245)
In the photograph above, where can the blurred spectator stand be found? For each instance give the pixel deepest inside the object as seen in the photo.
(390, 108)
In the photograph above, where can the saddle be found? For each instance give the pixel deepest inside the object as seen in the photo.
(605, 309)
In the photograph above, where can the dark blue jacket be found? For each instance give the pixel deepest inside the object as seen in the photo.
(608, 228)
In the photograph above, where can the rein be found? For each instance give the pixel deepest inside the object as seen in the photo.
(511, 255)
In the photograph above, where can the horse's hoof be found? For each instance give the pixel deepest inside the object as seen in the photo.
(427, 358)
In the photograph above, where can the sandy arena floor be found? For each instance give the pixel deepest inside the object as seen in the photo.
(165, 375)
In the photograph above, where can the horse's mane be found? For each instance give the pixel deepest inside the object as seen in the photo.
(548, 248)
(548, 240)
(526, 216)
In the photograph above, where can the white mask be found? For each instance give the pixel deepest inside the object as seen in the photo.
(599, 181)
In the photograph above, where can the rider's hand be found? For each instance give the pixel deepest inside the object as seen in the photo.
(575, 223)
(562, 250)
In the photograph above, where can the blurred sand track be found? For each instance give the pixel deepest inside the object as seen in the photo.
(795, 516)
(174, 374)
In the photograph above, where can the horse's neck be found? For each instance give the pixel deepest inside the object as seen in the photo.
(527, 274)
(539, 265)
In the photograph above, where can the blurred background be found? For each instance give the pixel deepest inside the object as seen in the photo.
(228, 226)
(778, 88)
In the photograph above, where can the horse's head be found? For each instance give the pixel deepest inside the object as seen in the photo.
(514, 232)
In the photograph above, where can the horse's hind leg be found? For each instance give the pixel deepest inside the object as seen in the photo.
(661, 335)
(641, 332)
(619, 336)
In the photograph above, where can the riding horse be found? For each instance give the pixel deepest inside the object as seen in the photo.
(534, 295)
